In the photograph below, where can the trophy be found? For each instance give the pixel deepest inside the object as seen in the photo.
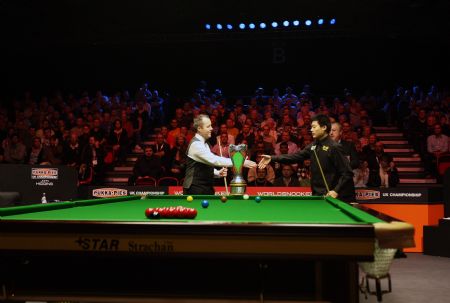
(238, 153)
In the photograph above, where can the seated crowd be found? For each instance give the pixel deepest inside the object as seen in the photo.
(96, 133)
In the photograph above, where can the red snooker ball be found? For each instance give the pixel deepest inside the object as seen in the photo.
(148, 212)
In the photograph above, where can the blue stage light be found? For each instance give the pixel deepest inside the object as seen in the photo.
(296, 23)
(320, 21)
(274, 24)
(262, 25)
(219, 26)
(286, 23)
(242, 26)
(229, 26)
(308, 22)
(251, 26)
(208, 26)
(333, 21)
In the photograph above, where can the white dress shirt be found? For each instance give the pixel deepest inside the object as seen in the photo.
(199, 151)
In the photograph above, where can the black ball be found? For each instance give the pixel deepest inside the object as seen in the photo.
(155, 215)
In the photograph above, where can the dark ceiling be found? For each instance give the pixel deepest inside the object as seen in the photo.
(41, 23)
(118, 43)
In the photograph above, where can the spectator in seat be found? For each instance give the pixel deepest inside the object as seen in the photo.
(223, 145)
(286, 137)
(35, 155)
(93, 156)
(173, 133)
(347, 133)
(288, 178)
(246, 134)
(284, 150)
(348, 147)
(14, 150)
(178, 158)
(437, 144)
(162, 150)
(361, 175)
(268, 137)
(304, 173)
(231, 128)
(98, 132)
(382, 169)
(147, 165)
(55, 151)
(261, 178)
(270, 173)
(224, 130)
(72, 151)
(118, 139)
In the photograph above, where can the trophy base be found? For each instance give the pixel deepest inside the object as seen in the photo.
(238, 189)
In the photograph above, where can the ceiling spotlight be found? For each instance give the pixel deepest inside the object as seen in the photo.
(333, 21)
(308, 22)
(286, 23)
(242, 26)
(274, 24)
(229, 26)
(208, 26)
(262, 25)
(219, 26)
(296, 23)
(251, 26)
(320, 21)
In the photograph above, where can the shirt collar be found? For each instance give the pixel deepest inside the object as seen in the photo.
(200, 138)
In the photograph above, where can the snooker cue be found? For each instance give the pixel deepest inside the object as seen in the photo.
(321, 171)
(224, 178)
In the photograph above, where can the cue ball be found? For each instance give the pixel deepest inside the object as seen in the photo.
(190, 198)
(223, 199)
(245, 197)
(258, 199)
(205, 203)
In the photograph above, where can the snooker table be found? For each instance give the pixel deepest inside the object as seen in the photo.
(106, 250)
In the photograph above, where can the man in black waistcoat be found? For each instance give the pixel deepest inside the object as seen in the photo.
(327, 157)
(200, 163)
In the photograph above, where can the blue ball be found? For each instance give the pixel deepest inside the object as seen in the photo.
(258, 199)
(205, 203)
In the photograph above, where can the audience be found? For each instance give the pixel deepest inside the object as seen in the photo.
(57, 129)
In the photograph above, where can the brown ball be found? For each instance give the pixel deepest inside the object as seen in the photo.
(223, 199)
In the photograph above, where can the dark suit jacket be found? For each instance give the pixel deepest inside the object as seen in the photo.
(350, 151)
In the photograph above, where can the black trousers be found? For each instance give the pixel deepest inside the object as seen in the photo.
(199, 190)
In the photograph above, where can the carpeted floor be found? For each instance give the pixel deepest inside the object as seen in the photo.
(417, 279)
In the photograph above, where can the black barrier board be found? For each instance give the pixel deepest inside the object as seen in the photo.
(31, 181)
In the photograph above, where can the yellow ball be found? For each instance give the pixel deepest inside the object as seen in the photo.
(190, 198)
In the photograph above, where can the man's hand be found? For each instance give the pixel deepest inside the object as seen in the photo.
(249, 164)
(223, 172)
(264, 161)
(332, 194)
